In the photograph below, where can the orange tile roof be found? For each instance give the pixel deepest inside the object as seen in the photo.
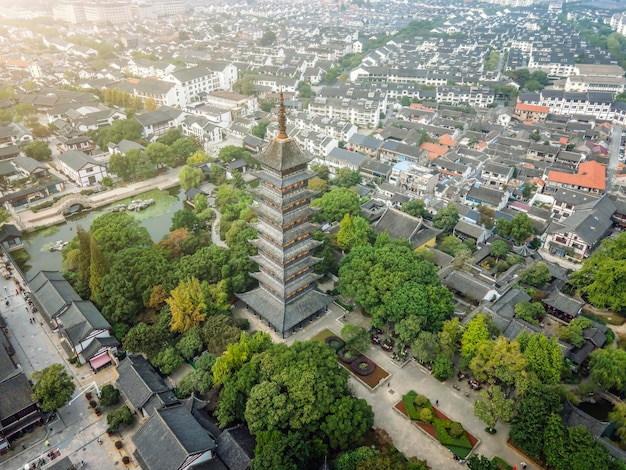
(590, 175)
(563, 140)
(537, 181)
(533, 108)
(434, 148)
(482, 144)
(447, 140)
(420, 106)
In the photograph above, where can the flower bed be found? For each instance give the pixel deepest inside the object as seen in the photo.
(372, 380)
(363, 366)
(335, 342)
(438, 430)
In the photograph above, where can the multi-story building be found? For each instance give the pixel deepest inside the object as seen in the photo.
(286, 296)
(417, 180)
(360, 112)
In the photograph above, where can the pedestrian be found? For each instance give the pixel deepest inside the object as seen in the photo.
(524, 465)
(5, 288)
(47, 443)
(23, 446)
(436, 402)
(388, 384)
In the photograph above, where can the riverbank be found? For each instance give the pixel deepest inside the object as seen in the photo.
(29, 221)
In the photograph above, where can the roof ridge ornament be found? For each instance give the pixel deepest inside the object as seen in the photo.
(282, 119)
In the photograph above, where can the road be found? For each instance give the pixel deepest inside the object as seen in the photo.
(614, 148)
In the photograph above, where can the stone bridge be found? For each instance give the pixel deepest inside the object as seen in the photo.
(65, 203)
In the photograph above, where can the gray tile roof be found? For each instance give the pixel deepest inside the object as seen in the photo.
(138, 380)
(169, 437)
(81, 319)
(51, 293)
(76, 159)
(235, 446)
(563, 302)
(15, 395)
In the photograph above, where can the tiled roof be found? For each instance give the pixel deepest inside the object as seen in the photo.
(532, 108)
(138, 380)
(590, 175)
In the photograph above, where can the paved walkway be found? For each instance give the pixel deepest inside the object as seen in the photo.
(408, 438)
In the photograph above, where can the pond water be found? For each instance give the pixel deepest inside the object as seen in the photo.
(599, 410)
(156, 219)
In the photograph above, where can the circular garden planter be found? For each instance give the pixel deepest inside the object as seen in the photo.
(335, 343)
(363, 366)
(346, 356)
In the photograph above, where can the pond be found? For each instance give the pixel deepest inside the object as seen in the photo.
(599, 410)
(156, 219)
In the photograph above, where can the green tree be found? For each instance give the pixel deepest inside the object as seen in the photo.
(347, 422)
(239, 353)
(167, 361)
(304, 90)
(190, 177)
(486, 216)
(120, 416)
(356, 337)
(120, 165)
(159, 154)
(543, 357)
(134, 271)
(442, 367)
(186, 219)
(109, 395)
(416, 208)
(260, 129)
(573, 332)
(498, 249)
(337, 203)
(451, 245)
(533, 414)
(171, 136)
(600, 276)
(190, 343)
(231, 153)
(269, 38)
(608, 368)
(128, 129)
(431, 304)
(351, 459)
(500, 361)
(446, 218)
(531, 312)
(475, 332)
(53, 387)
(196, 381)
(353, 232)
(188, 305)
(536, 275)
(287, 451)
(519, 228)
(98, 268)
(618, 416)
(372, 276)
(197, 158)
(346, 178)
(493, 406)
(181, 150)
(115, 231)
(426, 347)
(38, 150)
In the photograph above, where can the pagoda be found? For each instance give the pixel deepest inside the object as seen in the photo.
(286, 296)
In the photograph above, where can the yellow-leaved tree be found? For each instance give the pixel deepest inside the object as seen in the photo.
(187, 304)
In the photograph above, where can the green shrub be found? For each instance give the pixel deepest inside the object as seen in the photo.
(420, 401)
(426, 415)
(456, 430)
(42, 206)
(109, 395)
(441, 428)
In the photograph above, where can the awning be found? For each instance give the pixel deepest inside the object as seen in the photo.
(99, 361)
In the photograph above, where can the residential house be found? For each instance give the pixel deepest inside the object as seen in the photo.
(14, 134)
(474, 288)
(566, 201)
(364, 144)
(235, 447)
(577, 235)
(27, 167)
(202, 129)
(496, 175)
(467, 231)
(371, 169)
(481, 195)
(416, 180)
(82, 169)
(81, 143)
(529, 112)
(341, 158)
(25, 196)
(193, 83)
(394, 151)
(591, 176)
(158, 122)
(239, 105)
(124, 146)
(502, 312)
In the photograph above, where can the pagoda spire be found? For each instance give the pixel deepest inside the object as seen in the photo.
(282, 119)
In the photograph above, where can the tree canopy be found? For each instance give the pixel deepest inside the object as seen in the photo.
(519, 228)
(389, 280)
(337, 203)
(53, 387)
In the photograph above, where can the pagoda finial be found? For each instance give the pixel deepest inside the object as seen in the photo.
(282, 118)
